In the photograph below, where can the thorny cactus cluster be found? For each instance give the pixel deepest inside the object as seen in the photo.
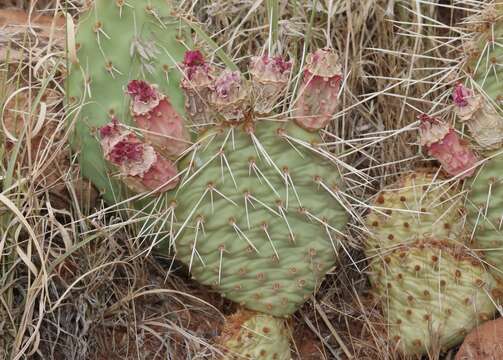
(433, 290)
(476, 99)
(252, 203)
(433, 287)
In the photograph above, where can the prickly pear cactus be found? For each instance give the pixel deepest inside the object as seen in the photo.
(432, 293)
(254, 207)
(419, 205)
(432, 290)
(117, 41)
(252, 335)
(262, 221)
(477, 103)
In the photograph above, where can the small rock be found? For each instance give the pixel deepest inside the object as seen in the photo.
(484, 342)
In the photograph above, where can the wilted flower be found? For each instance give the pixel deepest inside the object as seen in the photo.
(269, 81)
(317, 101)
(140, 166)
(443, 144)
(158, 121)
(484, 122)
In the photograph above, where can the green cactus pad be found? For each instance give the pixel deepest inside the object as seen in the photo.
(484, 202)
(248, 335)
(138, 40)
(485, 58)
(433, 293)
(484, 206)
(418, 205)
(263, 257)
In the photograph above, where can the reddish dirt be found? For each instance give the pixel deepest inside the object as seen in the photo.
(484, 342)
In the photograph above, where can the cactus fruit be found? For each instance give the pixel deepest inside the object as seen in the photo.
(317, 100)
(432, 289)
(198, 77)
(419, 205)
(433, 293)
(443, 143)
(118, 41)
(141, 167)
(252, 335)
(157, 119)
(229, 96)
(269, 77)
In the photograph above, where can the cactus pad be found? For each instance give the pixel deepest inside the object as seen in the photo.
(433, 293)
(248, 335)
(258, 210)
(116, 42)
(478, 103)
(261, 219)
(485, 210)
(418, 205)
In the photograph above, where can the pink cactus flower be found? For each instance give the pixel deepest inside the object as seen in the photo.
(482, 119)
(140, 166)
(229, 96)
(196, 83)
(269, 81)
(157, 119)
(317, 101)
(443, 144)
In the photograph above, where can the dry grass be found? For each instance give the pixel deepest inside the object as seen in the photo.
(72, 285)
